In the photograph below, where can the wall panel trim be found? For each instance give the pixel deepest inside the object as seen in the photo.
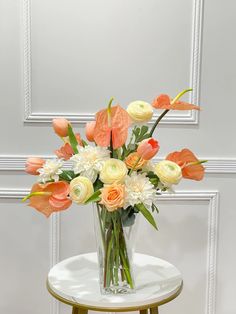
(211, 196)
(214, 165)
(183, 118)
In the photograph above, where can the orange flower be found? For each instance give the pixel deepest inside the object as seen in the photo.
(113, 196)
(148, 148)
(117, 122)
(49, 197)
(164, 102)
(33, 164)
(89, 130)
(190, 165)
(60, 126)
(64, 151)
(79, 140)
(133, 161)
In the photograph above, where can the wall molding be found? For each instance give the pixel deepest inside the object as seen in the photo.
(212, 243)
(54, 234)
(211, 196)
(182, 118)
(214, 165)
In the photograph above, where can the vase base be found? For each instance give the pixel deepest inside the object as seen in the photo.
(117, 290)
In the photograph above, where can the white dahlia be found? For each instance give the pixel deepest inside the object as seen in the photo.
(51, 170)
(89, 161)
(139, 190)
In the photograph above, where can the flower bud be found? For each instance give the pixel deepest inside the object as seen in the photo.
(33, 164)
(148, 148)
(60, 126)
(89, 130)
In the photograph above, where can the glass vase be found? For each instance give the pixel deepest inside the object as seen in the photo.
(115, 247)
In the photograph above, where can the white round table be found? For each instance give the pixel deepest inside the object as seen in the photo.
(74, 281)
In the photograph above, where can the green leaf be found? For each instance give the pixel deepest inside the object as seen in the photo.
(97, 185)
(146, 213)
(67, 175)
(94, 198)
(72, 139)
(144, 130)
(154, 208)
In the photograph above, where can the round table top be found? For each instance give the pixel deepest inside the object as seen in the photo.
(75, 281)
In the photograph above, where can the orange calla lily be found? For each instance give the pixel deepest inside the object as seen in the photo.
(115, 122)
(164, 102)
(191, 167)
(50, 197)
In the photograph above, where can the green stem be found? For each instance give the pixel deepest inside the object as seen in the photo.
(101, 227)
(167, 110)
(107, 255)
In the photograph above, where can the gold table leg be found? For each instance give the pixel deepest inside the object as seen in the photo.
(143, 311)
(77, 310)
(154, 310)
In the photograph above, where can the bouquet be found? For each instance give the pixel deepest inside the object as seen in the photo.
(117, 174)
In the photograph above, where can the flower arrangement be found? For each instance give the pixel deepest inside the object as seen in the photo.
(116, 173)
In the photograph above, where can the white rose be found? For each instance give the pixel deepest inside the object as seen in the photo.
(113, 170)
(168, 172)
(81, 188)
(140, 111)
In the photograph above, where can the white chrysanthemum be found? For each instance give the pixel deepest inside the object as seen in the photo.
(89, 161)
(149, 166)
(50, 170)
(139, 190)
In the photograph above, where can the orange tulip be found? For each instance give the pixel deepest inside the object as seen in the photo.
(64, 152)
(89, 130)
(164, 102)
(60, 126)
(49, 197)
(116, 123)
(148, 148)
(33, 164)
(191, 167)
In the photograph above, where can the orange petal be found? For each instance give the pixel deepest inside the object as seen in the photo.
(181, 105)
(163, 101)
(183, 159)
(120, 122)
(47, 204)
(59, 204)
(59, 189)
(193, 172)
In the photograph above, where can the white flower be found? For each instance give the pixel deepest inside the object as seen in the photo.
(89, 161)
(149, 166)
(139, 190)
(50, 170)
(140, 111)
(168, 172)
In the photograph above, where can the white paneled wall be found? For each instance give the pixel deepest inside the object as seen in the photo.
(66, 58)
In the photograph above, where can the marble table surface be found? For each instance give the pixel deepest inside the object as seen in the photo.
(76, 280)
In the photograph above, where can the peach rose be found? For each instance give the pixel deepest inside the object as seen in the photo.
(112, 196)
(33, 164)
(133, 161)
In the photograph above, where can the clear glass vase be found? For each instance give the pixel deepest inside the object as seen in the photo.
(115, 237)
